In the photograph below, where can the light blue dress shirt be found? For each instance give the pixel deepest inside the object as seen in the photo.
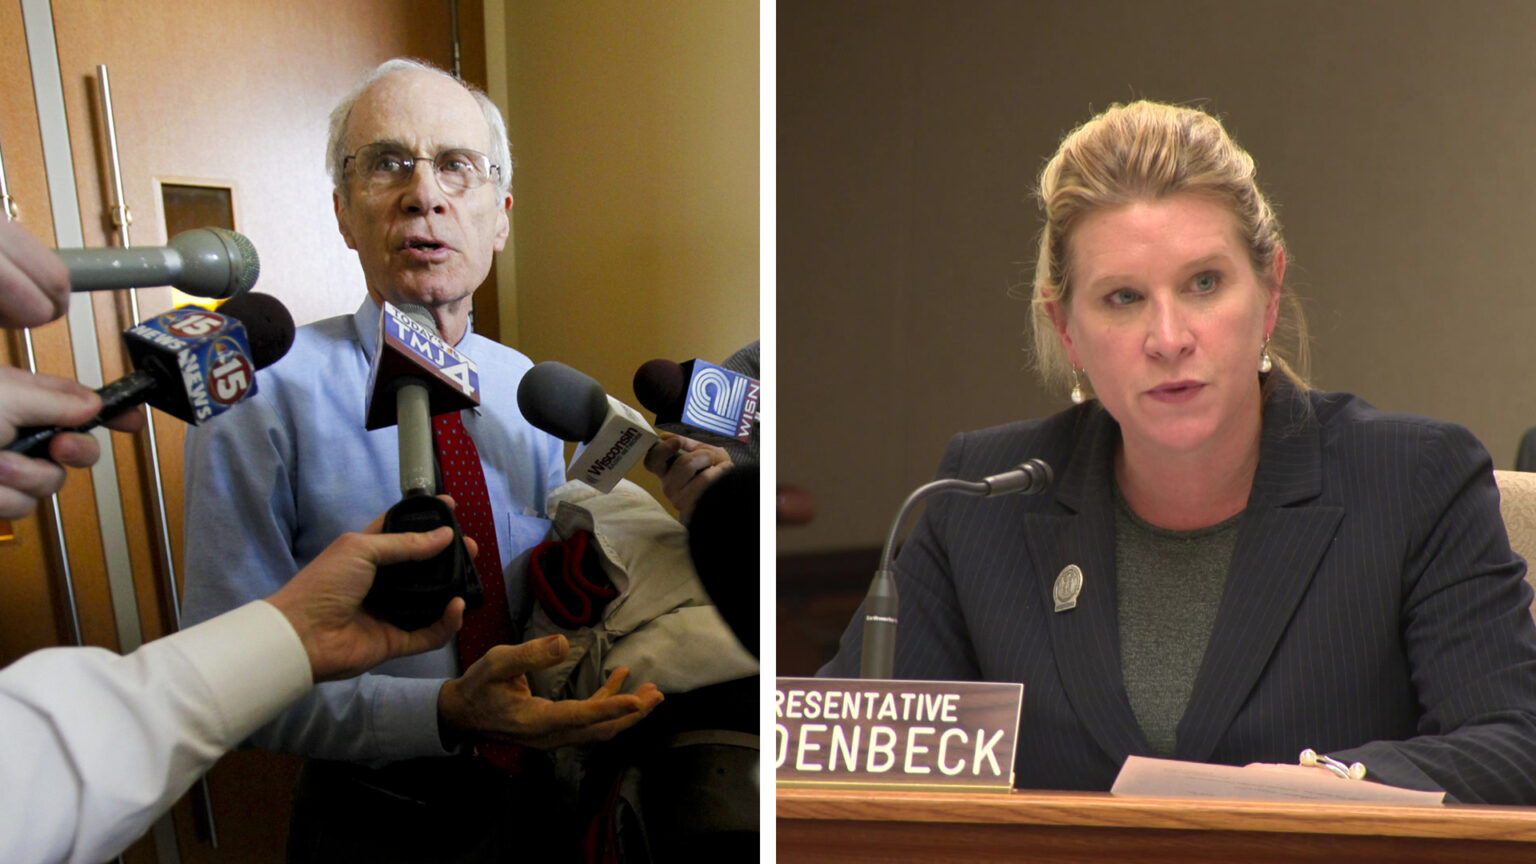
(273, 481)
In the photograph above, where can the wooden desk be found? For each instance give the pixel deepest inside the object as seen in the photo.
(853, 826)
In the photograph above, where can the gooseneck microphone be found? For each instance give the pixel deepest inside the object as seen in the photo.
(192, 363)
(419, 373)
(572, 406)
(203, 262)
(878, 659)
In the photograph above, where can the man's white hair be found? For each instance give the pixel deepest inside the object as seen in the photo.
(501, 149)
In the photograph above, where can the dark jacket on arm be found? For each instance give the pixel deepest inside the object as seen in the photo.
(1373, 611)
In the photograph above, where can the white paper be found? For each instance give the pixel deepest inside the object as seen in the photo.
(1170, 778)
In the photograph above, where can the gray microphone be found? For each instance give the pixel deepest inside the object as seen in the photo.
(203, 262)
(413, 414)
(878, 658)
(572, 406)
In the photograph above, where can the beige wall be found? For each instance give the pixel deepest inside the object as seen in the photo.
(635, 135)
(1398, 138)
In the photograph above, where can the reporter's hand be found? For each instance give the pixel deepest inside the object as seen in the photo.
(34, 283)
(491, 701)
(324, 602)
(686, 468)
(46, 400)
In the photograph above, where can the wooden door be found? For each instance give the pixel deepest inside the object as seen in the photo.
(35, 600)
(229, 100)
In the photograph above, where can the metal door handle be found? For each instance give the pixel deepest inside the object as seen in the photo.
(122, 218)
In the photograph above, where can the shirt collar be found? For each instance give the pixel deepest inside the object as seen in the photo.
(366, 322)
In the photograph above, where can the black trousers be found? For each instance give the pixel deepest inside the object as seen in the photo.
(454, 810)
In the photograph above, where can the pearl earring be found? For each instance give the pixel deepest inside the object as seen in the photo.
(1077, 389)
(1265, 364)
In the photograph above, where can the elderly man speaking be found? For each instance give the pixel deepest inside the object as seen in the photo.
(420, 759)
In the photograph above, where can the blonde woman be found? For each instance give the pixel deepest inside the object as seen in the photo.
(1261, 567)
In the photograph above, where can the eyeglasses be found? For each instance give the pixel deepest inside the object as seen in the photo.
(386, 166)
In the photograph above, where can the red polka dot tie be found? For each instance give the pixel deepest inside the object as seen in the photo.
(491, 624)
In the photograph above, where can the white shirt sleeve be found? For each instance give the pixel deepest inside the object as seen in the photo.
(95, 746)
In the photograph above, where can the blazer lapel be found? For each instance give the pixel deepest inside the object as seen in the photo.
(1086, 639)
(1279, 544)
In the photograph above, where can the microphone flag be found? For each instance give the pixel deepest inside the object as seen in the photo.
(721, 401)
(212, 352)
(406, 348)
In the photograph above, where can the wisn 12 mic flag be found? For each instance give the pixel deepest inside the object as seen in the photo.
(721, 401)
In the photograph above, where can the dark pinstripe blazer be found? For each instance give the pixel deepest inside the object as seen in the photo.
(1374, 609)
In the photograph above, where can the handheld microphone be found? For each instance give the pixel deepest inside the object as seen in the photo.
(878, 658)
(203, 262)
(699, 400)
(423, 374)
(572, 406)
(190, 362)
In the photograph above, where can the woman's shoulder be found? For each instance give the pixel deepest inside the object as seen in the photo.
(997, 448)
(1346, 411)
(1350, 422)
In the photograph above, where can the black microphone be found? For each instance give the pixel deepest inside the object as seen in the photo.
(192, 363)
(572, 406)
(878, 658)
(700, 400)
(723, 542)
(415, 373)
(203, 262)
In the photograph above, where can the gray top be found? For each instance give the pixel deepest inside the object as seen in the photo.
(1169, 585)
